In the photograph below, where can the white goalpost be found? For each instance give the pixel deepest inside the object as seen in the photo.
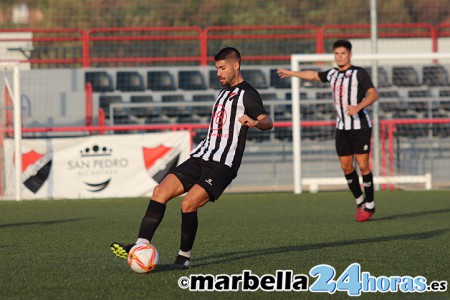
(10, 131)
(371, 60)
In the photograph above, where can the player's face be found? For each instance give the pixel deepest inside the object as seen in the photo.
(227, 72)
(342, 57)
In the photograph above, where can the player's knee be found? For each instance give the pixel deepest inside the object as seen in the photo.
(190, 204)
(187, 205)
(364, 167)
(347, 169)
(159, 194)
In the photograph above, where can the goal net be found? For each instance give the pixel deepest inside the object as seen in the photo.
(411, 121)
(10, 132)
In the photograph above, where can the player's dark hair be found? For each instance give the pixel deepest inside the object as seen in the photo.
(343, 43)
(227, 53)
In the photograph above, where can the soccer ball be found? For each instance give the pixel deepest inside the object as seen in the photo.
(143, 258)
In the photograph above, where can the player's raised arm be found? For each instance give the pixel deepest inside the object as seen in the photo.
(306, 75)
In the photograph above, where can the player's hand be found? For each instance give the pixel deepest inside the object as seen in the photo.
(283, 73)
(352, 110)
(247, 121)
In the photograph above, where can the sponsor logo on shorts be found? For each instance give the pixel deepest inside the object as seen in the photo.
(209, 181)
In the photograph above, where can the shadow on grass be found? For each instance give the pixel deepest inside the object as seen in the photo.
(411, 215)
(232, 256)
(42, 223)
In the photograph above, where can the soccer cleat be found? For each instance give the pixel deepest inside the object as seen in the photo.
(121, 250)
(181, 263)
(364, 214)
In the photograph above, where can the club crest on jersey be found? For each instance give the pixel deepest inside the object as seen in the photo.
(231, 96)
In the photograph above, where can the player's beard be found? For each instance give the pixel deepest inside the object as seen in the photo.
(229, 82)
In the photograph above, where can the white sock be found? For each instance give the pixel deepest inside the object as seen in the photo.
(360, 200)
(142, 241)
(185, 253)
(370, 205)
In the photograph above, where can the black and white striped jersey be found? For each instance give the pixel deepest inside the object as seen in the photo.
(226, 137)
(349, 88)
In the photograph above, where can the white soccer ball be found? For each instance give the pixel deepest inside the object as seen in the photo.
(143, 258)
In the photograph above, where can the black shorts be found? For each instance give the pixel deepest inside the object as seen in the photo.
(213, 177)
(353, 141)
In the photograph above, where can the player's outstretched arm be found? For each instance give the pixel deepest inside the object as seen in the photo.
(306, 75)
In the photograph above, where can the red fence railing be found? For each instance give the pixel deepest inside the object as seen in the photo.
(191, 45)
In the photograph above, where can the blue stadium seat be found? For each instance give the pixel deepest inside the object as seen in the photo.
(435, 76)
(268, 96)
(213, 80)
(255, 77)
(129, 81)
(174, 111)
(105, 102)
(160, 81)
(383, 79)
(203, 111)
(277, 82)
(191, 80)
(444, 93)
(405, 76)
(144, 111)
(101, 81)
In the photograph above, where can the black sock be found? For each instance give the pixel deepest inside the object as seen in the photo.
(150, 222)
(368, 187)
(353, 184)
(189, 224)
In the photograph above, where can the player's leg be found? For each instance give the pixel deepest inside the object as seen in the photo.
(368, 209)
(362, 151)
(169, 188)
(214, 180)
(192, 201)
(352, 178)
(345, 151)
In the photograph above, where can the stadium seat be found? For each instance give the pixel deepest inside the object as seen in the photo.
(213, 80)
(435, 76)
(383, 79)
(405, 76)
(283, 133)
(106, 100)
(303, 95)
(101, 81)
(444, 93)
(187, 119)
(256, 78)
(143, 111)
(324, 95)
(173, 111)
(440, 129)
(389, 94)
(268, 96)
(191, 80)
(160, 81)
(420, 106)
(393, 107)
(256, 135)
(277, 82)
(409, 130)
(205, 110)
(129, 81)
(444, 105)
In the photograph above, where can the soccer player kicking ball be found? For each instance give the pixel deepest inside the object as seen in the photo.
(353, 91)
(213, 164)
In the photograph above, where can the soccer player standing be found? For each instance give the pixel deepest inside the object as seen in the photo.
(213, 164)
(353, 91)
